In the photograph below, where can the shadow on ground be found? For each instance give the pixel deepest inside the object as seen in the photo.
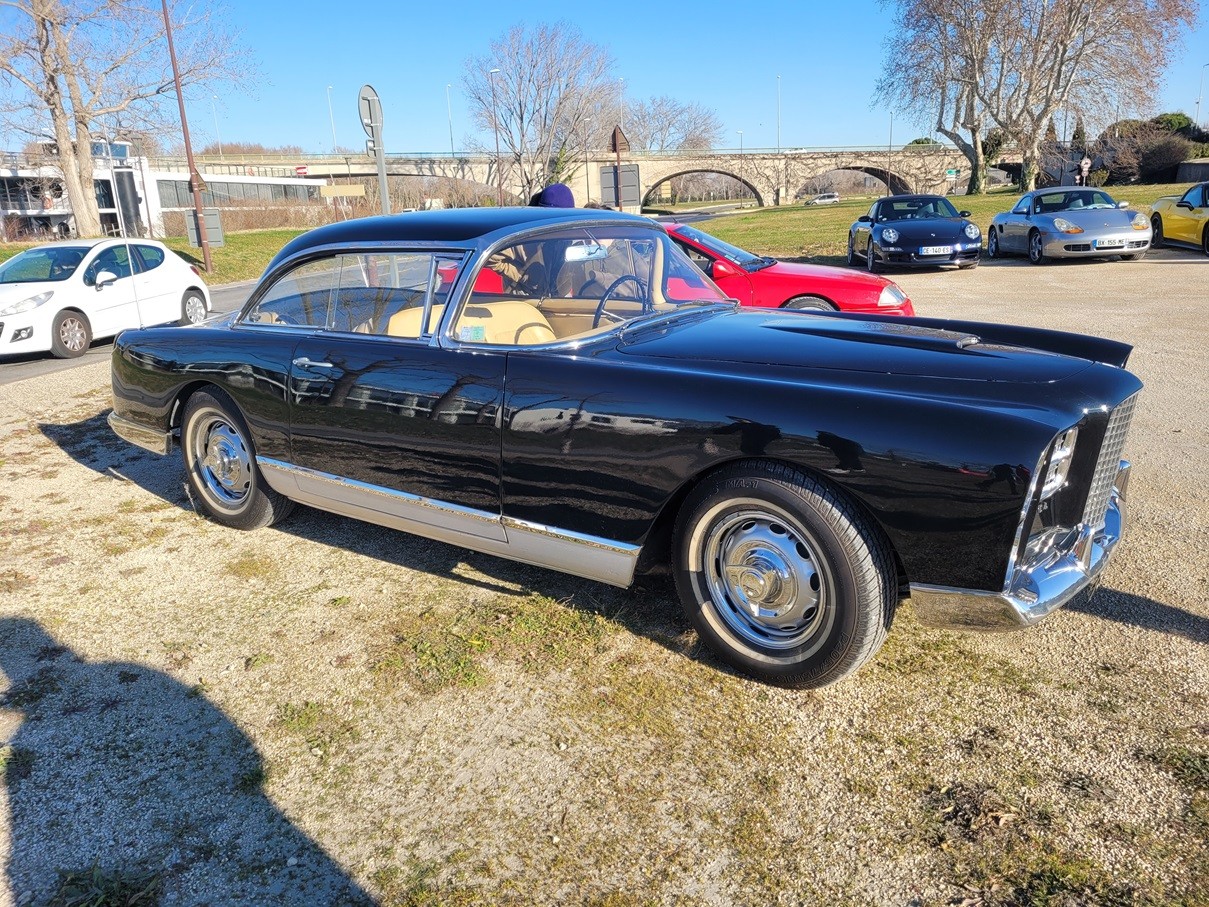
(123, 768)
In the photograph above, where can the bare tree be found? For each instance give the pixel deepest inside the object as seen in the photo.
(665, 124)
(72, 68)
(540, 101)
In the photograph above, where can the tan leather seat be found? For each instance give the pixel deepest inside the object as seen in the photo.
(507, 323)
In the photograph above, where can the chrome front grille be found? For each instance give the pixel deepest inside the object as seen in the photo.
(1108, 463)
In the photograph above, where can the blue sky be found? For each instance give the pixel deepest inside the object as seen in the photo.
(726, 56)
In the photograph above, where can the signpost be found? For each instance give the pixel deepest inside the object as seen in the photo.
(370, 108)
(618, 143)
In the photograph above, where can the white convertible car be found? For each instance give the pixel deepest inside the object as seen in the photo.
(58, 297)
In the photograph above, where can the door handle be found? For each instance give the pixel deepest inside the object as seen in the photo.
(304, 362)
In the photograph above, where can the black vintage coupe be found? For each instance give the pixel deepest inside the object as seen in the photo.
(914, 231)
(562, 387)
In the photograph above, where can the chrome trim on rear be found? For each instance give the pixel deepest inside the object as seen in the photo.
(155, 440)
(1041, 583)
(531, 543)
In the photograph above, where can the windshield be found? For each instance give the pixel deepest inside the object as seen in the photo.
(733, 254)
(1073, 200)
(915, 207)
(51, 263)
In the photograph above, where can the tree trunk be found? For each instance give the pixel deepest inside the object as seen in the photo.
(1029, 164)
(973, 152)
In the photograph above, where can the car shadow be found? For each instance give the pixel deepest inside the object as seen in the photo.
(650, 608)
(1146, 613)
(119, 772)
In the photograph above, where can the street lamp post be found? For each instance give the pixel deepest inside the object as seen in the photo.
(217, 134)
(495, 123)
(331, 118)
(621, 101)
(778, 114)
(449, 113)
(1200, 90)
(740, 131)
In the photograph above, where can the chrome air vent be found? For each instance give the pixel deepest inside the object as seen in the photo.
(1108, 463)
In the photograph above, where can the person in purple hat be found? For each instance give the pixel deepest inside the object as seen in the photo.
(556, 195)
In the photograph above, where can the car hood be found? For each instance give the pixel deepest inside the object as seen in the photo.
(15, 292)
(826, 274)
(931, 228)
(890, 346)
(1094, 218)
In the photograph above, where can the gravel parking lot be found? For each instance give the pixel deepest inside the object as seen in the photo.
(327, 712)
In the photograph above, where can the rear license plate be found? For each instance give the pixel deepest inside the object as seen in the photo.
(1108, 244)
(936, 250)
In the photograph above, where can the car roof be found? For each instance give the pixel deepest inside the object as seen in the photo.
(89, 242)
(470, 227)
(909, 197)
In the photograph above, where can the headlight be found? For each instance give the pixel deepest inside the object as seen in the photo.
(891, 297)
(1059, 462)
(26, 304)
(972, 231)
(890, 235)
(1139, 221)
(1062, 225)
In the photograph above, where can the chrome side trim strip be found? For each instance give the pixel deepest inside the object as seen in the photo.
(531, 543)
(1040, 585)
(154, 440)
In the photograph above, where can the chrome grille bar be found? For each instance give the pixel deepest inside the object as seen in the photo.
(1107, 464)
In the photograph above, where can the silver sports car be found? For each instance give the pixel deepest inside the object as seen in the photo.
(1069, 222)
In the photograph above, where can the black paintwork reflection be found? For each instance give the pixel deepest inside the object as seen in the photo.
(404, 416)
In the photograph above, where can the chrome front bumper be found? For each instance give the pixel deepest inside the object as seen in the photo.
(159, 442)
(1035, 587)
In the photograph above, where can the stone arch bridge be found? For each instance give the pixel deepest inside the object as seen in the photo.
(774, 177)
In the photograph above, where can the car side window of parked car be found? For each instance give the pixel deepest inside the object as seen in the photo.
(1022, 206)
(396, 294)
(147, 258)
(115, 260)
(1195, 197)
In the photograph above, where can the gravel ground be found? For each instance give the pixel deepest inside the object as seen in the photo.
(327, 712)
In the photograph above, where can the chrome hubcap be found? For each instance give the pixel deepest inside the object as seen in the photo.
(195, 309)
(763, 578)
(71, 333)
(224, 465)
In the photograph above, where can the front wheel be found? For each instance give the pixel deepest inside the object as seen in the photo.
(70, 335)
(220, 465)
(870, 260)
(193, 308)
(782, 576)
(1134, 256)
(809, 304)
(1156, 229)
(851, 250)
(1036, 248)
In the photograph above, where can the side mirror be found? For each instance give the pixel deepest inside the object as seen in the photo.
(723, 268)
(1184, 204)
(105, 278)
(963, 213)
(864, 219)
(1122, 204)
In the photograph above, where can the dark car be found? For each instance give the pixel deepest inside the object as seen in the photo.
(914, 231)
(564, 388)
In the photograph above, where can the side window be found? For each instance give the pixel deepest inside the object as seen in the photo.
(700, 259)
(148, 258)
(396, 294)
(301, 297)
(1195, 196)
(115, 260)
(1021, 206)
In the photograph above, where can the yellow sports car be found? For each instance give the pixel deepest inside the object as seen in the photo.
(1182, 220)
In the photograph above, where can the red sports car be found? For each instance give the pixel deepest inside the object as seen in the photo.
(772, 284)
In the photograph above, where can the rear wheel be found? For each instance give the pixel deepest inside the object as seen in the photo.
(193, 307)
(782, 575)
(70, 335)
(809, 304)
(1036, 248)
(220, 465)
(1156, 226)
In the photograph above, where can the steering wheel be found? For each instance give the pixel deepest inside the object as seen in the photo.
(643, 297)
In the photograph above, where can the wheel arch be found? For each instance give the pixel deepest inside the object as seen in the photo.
(657, 548)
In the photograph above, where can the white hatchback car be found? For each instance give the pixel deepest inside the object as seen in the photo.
(58, 297)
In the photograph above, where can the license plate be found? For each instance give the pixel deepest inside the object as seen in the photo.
(1108, 244)
(936, 250)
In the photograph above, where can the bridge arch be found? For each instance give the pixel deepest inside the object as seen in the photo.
(649, 190)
